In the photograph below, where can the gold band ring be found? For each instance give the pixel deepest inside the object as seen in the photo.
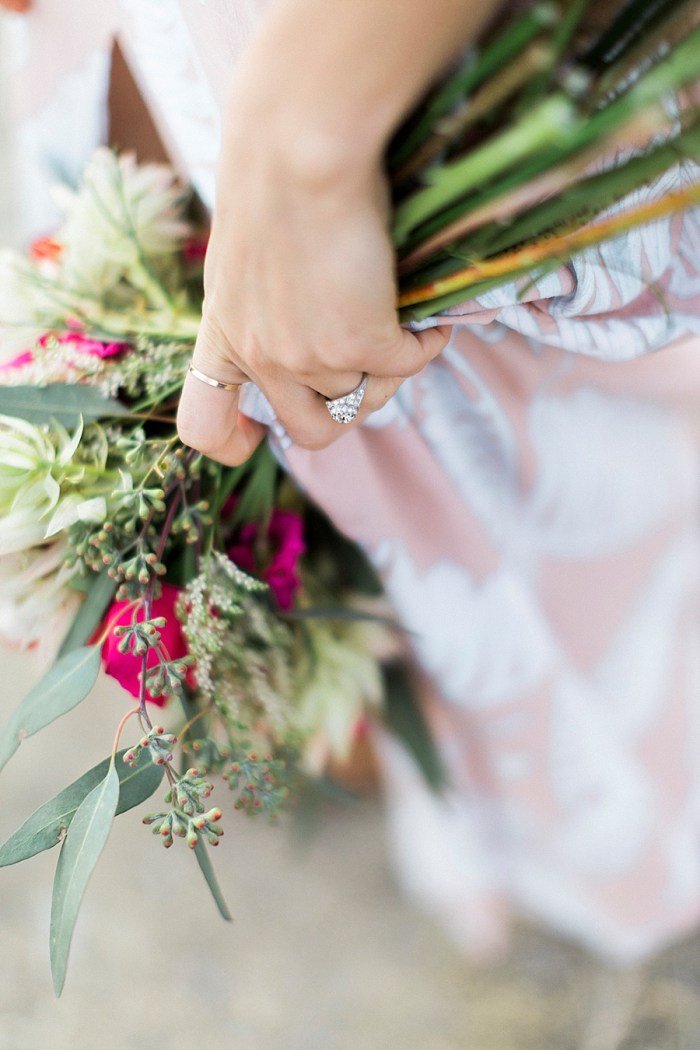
(216, 383)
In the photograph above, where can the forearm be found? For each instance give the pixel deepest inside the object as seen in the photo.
(329, 80)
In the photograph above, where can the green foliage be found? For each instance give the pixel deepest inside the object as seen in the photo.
(203, 859)
(64, 403)
(406, 721)
(46, 826)
(98, 597)
(260, 782)
(156, 743)
(65, 686)
(80, 852)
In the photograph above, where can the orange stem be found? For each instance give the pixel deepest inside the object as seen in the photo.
(120, 727)
(561, 245)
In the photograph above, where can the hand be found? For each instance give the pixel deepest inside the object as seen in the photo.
(299, 276)
(299, 298)
(16, 5)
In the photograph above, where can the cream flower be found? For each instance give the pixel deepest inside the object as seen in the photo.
(36, 466)
(340, 683)
(25, 299)
(35, 598)
(122, 216)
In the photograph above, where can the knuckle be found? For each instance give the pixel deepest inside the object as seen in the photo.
(311, 442)
(344, 357)
(299, 362)
(212, 342)
(410, 368)
(253, 356)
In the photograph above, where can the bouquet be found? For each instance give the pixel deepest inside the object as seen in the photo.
(531, 151)
(220, 594)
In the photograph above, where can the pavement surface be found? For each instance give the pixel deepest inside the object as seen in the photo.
(323, 954)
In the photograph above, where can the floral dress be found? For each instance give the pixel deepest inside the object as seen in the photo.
(531, 500)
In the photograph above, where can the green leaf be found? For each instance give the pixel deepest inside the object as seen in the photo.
(64, 402)
(203, 859)
(46, 826)
(406, 721)
(256, 497)
(98, 598)
(80, 852)
(67, 683)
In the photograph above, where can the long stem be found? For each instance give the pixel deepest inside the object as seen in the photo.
(562, 246)
(120, 727)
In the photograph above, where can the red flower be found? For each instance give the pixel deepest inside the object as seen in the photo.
(195, 248)
(126, 667)
(286, 536)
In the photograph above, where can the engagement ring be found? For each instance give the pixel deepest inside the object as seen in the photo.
(344, 409)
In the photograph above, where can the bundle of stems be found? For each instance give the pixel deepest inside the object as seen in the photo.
(526, 154)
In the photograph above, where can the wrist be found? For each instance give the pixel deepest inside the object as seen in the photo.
(286, 134)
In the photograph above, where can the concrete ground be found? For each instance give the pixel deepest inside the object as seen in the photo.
(323, 955)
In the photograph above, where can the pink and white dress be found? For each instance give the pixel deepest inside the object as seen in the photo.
(531, 500)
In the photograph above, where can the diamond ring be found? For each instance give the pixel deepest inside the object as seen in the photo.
(344, 409)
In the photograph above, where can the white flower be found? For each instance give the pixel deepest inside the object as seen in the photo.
(123, 214)
(24, 299)
(340, 683)
(35, 598)
(34, 464)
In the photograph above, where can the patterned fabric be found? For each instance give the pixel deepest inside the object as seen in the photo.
(531, 500)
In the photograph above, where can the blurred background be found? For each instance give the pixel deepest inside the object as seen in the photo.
(324, 953)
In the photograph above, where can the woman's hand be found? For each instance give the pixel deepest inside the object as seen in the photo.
(300, 294)
(300, 298)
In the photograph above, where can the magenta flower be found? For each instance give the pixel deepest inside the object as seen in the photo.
(195, 248)
(286, 538)
(25, 358)
(126, 667)
(86, 345)
(75, 339)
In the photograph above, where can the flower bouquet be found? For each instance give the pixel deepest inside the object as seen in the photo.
(532, 150)
(220, 594)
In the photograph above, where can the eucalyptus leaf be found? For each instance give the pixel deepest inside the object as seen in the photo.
(60, 690)
(98, 598)
(404, 718)
(204, 860)
(80, 852)
(67, 403)
(46, 826)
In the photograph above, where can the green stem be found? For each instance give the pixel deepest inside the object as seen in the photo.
(472, 74)
(551, 121)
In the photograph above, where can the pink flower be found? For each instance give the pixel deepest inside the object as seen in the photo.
(286, 538)
(86, 345)
(126, 667)
(25, 358)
